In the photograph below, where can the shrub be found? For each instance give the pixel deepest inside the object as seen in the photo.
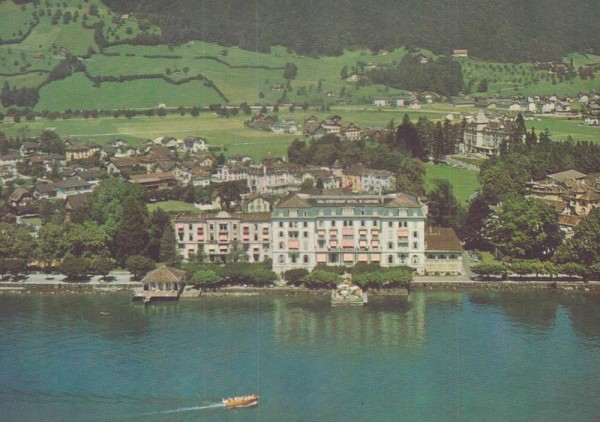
(295, 276)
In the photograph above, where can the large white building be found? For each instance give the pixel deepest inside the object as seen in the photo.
(218, 236)
(303, 231)
(344, 230)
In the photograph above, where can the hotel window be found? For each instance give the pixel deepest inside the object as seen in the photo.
(223, 227)
(281, 224)
(305, 234)
(404, 224)
(321, 222)
(281, 246)
(212, 227)
(415, 259)
(362, 222)
(390, 259)
(390, 245)
(415, 245)
(280, 234)
(305, 224)
(181, 237)
(305, 259)
(321, 243)
(390, 224)
(415, 234)
(281, 259)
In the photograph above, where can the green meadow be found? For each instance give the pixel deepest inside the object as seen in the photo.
(464, 182)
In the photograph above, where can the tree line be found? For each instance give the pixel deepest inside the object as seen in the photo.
(443, 76)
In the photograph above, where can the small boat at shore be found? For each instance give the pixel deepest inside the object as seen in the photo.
(241, 401)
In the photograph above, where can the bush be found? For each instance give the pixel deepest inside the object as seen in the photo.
(75, 268)
(295, 276)
(318, 278)
(330, 269)
(487, 270)
(206, 277)
(384, 278)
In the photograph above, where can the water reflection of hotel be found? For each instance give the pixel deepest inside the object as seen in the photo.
(397, 323)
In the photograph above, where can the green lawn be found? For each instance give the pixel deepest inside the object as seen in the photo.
(464, 182)
(77, 92)
(173, 207)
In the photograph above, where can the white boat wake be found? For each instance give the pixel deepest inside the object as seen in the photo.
(188, 409)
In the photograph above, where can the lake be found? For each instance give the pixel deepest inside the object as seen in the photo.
(451, 356)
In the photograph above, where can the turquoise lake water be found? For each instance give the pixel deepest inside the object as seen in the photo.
(432, 357)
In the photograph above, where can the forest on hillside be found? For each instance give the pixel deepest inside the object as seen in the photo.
(507, 30)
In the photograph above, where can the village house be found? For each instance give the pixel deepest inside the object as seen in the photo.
(76, 203)
(460, 53)
(256, 202)
(285, 126)
(154, 181)
(30, 148)
(81, 151)
(193, 144)
(20, 197)
(118, 166)
(380, 102)
(262, 122)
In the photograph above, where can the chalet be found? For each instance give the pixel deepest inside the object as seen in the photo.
(20, 197)
(380, 102)
(350, 132)
(516, 107)
(256, 202)
(402, 101)
(422, 58)
(592, 120)
(30, 148)
(154, 181)
(329, 94)
(11, 159)
(262, 122)
(91, 176)
(566, 176)
(193, 144)
(205, 160)
(81, 152)
(44, 191)
(76, 203)
(68, 187)
(568, 224)
(285, 126)
(124, 164)
(443, 252)
(460, 53)
(168, 142)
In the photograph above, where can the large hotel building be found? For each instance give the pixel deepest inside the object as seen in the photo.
(305, 230)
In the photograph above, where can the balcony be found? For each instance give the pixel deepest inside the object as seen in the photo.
(347, 243)
(348, 232)
(293, 244)
(402, 233)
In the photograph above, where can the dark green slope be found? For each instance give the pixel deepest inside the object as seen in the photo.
(511, 30)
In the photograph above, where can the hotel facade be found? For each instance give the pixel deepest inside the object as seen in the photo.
(305, 230)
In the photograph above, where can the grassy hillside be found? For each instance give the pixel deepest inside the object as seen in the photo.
(229, 74)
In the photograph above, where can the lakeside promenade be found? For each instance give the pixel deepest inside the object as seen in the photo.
(119, 281)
